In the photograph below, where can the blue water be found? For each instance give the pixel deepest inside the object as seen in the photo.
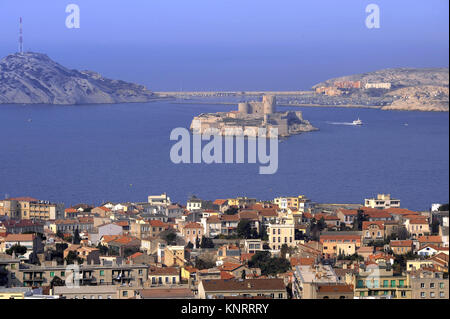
(95, 153)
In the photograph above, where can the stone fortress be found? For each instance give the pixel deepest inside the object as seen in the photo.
(251, 116)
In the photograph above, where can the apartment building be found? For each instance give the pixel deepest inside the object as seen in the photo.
(427, 283)
(164, 276)
(372, 231)
(31, 208)
(243, 288)
(382, 201)
(308, 278)
(300, 202)
(280, 234)
(377, 281)
(23, 275)
(346, 242)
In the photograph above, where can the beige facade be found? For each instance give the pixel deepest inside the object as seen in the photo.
(280, 234)
(31, 208)
(112, 274)
(382, 201)
(429, 285)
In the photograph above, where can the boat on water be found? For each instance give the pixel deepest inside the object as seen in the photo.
(357, 122)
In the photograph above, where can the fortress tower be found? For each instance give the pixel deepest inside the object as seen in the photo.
(269, 102)
(244, 108)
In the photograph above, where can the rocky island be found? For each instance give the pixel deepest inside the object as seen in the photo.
(33, 78)
(251, 116)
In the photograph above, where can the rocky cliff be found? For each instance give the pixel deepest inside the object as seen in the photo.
(33, 78)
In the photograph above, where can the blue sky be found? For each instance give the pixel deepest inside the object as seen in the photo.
(230, 44)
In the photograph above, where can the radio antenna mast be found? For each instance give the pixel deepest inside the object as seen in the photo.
(20, 36)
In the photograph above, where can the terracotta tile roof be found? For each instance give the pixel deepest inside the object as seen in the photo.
(377, 213)
(244, 285)
(20, 237)
(252, 215)
(247, 256)
(213, 220)
(230, 218)
(401, 243)
(137, 254)
(108, 238)
(165, 271)
(226, 275)
(348, 212)
(166, 293)
(157, 223)
(299, 261)
(124, 240)
(401, 211)
(335, 288)
(229, 266)
(193, 225)
(23, 199)
(122, 223)
(418, 220)
(340, 237)
(220, 201)
(366, 224)
(430, 239)
(70, 210)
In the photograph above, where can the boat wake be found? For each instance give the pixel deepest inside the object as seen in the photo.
(341, 123)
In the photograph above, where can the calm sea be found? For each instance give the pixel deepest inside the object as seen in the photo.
(120, 152)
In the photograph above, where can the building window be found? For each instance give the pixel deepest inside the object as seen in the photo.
(432, 294)
(52, 274)
(63, 273)
(422, 294)
(102, 272)
(432, 285)
(403, 293)
(125, 293)
(422, 285)
(441, 294)
(441, 285)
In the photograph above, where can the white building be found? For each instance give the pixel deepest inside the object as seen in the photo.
(382, 201)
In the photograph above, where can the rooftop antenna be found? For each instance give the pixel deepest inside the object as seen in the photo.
(20, 37)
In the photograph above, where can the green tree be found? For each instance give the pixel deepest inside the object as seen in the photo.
(204, 264)
(76, 239)
(269, 265)
(189, 245)
(206, 243)
(231, 211)
(244, 229)
(197, 242)
(263, 233)
(170, 238)
(443, 208)
(72, 256)
(57, 282)
(360, 217)
(17, 249)
(103, 249)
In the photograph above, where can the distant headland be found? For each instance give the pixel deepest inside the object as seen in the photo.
(33, 78)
